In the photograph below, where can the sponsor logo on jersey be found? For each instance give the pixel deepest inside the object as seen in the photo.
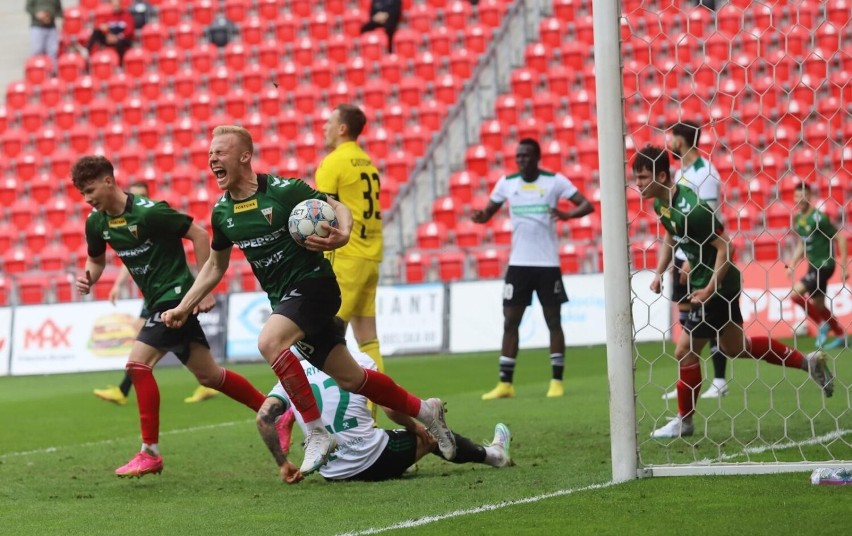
(134, 230)
(106, 235)
(267, 213)
(664, 211)
(117, 222)
(230, 222)
(245, 206)
(135, 252)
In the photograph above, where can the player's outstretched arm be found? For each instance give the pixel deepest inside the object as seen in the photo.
(94, 268)
(271, 410)
(482, 216)
(208, 277)
(722, 243)
(798, 254)
(115, 291)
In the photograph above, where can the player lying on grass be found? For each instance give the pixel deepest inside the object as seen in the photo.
(715, 285)
(364, 452)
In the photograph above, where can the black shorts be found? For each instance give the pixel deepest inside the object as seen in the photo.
(705, 321)
(312, 305)
(816, 280)
(680, 291)
(400, 453)
(546, 281)
(155, 333)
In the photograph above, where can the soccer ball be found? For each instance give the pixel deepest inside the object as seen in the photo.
(305, 218)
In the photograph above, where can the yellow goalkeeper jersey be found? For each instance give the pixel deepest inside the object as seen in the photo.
(349, 175)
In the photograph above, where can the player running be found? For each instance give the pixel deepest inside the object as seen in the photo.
(147, 236)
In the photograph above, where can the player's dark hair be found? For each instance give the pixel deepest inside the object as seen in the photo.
(689, 131)
(652, 158)
(90, 168)
(353, 117)
(803, 187)
(532, 143)
(140, 184)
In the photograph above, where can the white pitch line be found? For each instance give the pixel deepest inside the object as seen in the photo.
(484, 508)
(837, 434)
(50, 450)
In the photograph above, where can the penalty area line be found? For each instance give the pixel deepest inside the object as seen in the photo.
(478, 509)
(50, 450)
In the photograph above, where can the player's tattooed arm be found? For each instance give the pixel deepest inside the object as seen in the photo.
(269, 412)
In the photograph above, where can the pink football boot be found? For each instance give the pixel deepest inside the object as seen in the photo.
(284, 426)
(141, 464)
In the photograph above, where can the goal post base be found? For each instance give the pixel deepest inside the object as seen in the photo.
(739, 468)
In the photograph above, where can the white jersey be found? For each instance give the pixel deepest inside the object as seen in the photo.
(345, 415)
(703, 179)
(534, 241)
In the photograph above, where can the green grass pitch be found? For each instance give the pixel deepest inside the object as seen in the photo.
(59, 446)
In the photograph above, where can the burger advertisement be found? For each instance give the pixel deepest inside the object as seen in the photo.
(112, 335)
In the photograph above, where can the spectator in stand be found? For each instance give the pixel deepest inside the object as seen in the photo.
(221, 31)
(44, 37)
(384, 14)
(114, 29)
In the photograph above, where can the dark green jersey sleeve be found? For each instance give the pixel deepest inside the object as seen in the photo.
(825, 227)
(95, 243)
(163, 220)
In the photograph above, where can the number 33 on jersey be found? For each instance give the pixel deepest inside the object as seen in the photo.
(349, 175)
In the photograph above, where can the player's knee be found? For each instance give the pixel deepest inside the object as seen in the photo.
(554, 323)
(269, 347)
(207, 378)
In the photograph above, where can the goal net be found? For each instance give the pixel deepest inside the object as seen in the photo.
(767, 82)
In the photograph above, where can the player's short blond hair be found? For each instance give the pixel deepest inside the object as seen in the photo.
(242, 135)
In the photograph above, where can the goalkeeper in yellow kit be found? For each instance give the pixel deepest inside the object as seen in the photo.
(348, 175)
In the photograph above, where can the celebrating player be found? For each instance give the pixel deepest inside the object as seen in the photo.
(714, 283)
(305, 297)
(365, 452)
(817, 234)
(118, 394)
(146, 235)
(699, 175)
(534, 262)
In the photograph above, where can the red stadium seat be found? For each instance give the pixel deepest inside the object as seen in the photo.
(491, 262)
(506, 108)
(373, 45)
(32, 288)
(130, 159)
(236, 56)
(16, 261)
(101, 111)
(397, 165)
(451, 265)
(417, 265)
(152, 36)
(446, 210)
(169, 60)
(419, 17)
(523, 83)
(136, 62)
(103, 63)
(25, 166)
(570, 258)
(170, 12)
(431, 235)
(462, 62)
(46, 141)
(462, 186)
(432, 114)
(165, 159)
(32, 116)
(58, 210)
(268, 9)
(447, 88)
(478, 159)
(36, 69)
(203, 57)
(17, 95)
(236, 104)
(306, 147)
(501, 230)
(391, 67)
(476, 38)
(71, 234)
(36, 237)
(319, 26)
(187, 35)
(355, 72)
(491, 12)
(377, 143)
(12, 142)
(469, 234)
(9, 236)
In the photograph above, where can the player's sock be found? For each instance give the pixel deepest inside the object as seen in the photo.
(557, 365)
(507, 369)
(833, 324)
(688, 388)
(469, 452)
(808, 306)
(126, 384)
(292, 376)
(148, 400)
(371, 348)
(720, 361)
(239, 388)
(775, 352)
(382, 390)
(152, 448)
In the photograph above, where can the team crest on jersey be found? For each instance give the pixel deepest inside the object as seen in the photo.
(134, 230)
(267, 213)
(177, 290)
(230, 222)
(117, 222)
(245, 206)
(106, 235)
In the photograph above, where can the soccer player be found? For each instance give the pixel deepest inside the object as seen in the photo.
(118, 394)
(253, 213)
(714, 284)
(147, 236)
(699, 175)
(365, 453)
(533, 194)
(818, 234)
(348, 175)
